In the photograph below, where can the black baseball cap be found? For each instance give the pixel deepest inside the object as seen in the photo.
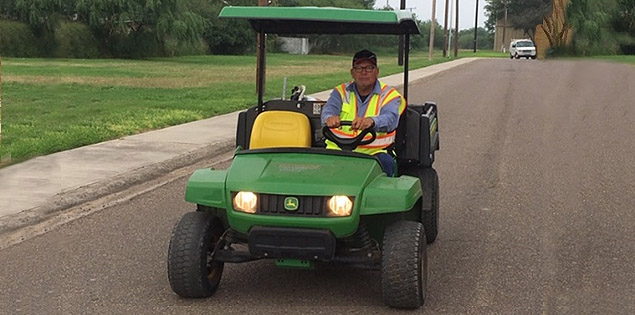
(363, 55)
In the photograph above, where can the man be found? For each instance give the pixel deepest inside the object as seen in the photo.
(366, 102)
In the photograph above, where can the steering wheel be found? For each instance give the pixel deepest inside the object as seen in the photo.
(349, 144)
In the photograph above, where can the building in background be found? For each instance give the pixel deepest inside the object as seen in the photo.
(509, 32)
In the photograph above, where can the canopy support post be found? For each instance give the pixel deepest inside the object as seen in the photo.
(261, 68)
(405, 65)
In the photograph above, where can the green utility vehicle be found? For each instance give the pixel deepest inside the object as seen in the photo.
(287, 198)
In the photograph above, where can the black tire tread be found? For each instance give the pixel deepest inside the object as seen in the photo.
(430, 219)
(404, 242)
(187, 255)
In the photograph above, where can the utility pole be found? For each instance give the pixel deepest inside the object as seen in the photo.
(475, 26)
(402, 6)
(432, 25)
(0, 107)
(445, 30)
(456, 29)
(262, 3)
(450, 32)
(504, 28)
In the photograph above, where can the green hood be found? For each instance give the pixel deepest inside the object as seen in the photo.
(301, 173)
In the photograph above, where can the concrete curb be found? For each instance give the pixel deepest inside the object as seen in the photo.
(117, 183)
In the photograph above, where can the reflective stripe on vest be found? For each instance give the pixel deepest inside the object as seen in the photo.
(349, 112)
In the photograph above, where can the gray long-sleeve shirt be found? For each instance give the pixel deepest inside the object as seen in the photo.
(387, 119)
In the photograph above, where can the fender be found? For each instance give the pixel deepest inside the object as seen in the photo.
(390, 194)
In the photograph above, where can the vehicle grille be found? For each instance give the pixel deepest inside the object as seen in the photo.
(307, 205)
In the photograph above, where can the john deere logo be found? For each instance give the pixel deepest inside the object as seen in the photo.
(291, 203)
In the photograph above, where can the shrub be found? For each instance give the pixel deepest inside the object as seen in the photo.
(75, 40)
(174, 47)
(136, 45)
(17, 40)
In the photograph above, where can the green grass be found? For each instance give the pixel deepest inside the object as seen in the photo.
(52, 105)
(483, 54)
(618, 58)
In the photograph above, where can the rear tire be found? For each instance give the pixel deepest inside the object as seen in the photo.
(430, 186)
(191, 272)
(404, 267)
(430, 218)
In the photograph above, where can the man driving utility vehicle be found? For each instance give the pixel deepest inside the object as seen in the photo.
(368, 103)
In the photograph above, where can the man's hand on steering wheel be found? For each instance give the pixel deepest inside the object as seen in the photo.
(333, 122)
(347, 143)
(361, 123)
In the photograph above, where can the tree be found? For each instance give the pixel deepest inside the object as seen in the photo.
(354, 4)
(422, 41)
(39, 14)
(485, 39)
(145, 20)
(338, 43)
(8, 10)
(527, 14)
(224, 36)
(624, 20)
(494, 10)
(592, 21)
(523, 14)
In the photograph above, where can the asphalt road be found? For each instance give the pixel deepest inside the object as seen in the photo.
(537, 169)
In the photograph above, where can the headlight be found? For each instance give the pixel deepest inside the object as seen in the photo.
(246, 201)
(340, 206)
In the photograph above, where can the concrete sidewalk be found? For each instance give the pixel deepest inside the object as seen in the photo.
(33, 190)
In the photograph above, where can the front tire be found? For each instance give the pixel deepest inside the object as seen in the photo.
(404, 267)
(191, 272)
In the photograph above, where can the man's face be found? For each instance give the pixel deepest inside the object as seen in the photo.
(362, 73)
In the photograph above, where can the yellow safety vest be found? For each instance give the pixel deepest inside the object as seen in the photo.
(349, 112)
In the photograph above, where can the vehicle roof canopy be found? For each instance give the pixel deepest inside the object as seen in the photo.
(323, 20)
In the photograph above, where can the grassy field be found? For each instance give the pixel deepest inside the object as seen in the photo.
(620, 59)
(52, 105)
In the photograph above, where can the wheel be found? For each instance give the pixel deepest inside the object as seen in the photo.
(191, 272)
(430, 206)
(430, 218)
(404, 266)
(533, 57)
(511, 57)
(516, 55)
(527, 57)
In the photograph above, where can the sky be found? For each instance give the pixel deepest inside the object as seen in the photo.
(423, 9)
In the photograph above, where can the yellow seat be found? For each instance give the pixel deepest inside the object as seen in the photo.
(280, 129)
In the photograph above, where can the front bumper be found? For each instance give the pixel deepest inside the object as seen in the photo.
(308, 244)
(526, 53)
